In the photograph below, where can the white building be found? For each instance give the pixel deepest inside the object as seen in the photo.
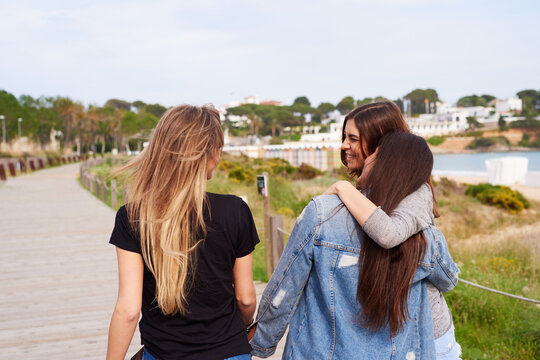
(511, 104)
(312, 134)
(427, 125)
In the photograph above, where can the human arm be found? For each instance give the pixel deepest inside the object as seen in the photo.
(444, 272)
(358, 205)
(413, 214)
(128, 304)
(244, 290)
(283, 291)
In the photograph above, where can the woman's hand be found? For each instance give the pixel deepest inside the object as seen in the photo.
(338, 188)
(251, 332)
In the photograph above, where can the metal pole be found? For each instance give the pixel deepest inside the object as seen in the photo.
(3, 128)
(19, 121)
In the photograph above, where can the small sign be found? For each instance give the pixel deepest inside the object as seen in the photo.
(262, 185)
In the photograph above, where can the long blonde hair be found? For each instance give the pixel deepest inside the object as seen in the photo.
(166, 198)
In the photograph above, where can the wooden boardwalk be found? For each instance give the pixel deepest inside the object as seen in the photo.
(58, 280)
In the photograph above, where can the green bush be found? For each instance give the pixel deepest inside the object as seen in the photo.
(285, 211)
(486, 142)
(499, 196)
(436, 140)
(481, 142)
(242, 173)
(474, 133)
(306, 171)
(275, 141)
(292, 137)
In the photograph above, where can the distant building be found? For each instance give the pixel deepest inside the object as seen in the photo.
(511, 104)
(427, 125)
(271, 102)
(313, 134)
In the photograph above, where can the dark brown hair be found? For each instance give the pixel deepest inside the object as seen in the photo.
(373, 121)
(403, 163)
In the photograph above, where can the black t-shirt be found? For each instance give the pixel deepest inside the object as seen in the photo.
(213, 327)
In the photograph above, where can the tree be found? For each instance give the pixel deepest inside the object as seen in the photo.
(322, 112)
(119, 104)
(301, 100)
(531, 102)
(475, 100)
(501, 123)
(326, 107)
(488, 98)
(12, 110)
(156, 109)
(345, 105)
(419, 98)
(70, 112)
(303, 110)
(473, 123)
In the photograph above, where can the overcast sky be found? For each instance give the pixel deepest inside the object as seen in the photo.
(215, 51)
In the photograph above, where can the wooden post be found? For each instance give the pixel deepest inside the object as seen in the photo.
(3, 175)
(126, 190)
(104, 190)
(97, 185)
(41, 163)
(262, 187)
(91, 183)
(22, 164)
(32, 165)
(114, 196)
(276, 224)
(50, 161)
(11, 167)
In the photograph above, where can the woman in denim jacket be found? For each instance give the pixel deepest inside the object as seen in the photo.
(322, 289)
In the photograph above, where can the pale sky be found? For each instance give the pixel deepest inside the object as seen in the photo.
(216, 51)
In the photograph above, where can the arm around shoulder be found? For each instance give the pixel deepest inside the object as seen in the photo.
(413, 214)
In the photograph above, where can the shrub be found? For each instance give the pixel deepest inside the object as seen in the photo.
(436, 140)
(481, 142)
(306, 171)
(240, 173)
(225, 165)
(285, 211)
(474, 133)
(275, 141)
(499, 196)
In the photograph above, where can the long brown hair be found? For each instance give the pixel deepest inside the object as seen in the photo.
(167, 195)
(373, 121)
(403, 163)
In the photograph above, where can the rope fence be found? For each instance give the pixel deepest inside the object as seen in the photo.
(469, 283)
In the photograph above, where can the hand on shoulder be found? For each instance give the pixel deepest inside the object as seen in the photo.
(339, 187)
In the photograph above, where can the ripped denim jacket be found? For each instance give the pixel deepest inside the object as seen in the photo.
(313, 291)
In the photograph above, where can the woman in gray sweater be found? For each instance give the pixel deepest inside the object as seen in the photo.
(415, 213)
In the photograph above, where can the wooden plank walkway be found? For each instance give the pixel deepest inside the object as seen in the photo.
(58, 280)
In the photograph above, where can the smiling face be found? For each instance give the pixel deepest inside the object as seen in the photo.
(352, 146)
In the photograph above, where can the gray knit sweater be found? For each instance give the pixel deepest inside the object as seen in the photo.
(413, 214)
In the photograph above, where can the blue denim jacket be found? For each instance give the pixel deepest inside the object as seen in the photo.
(313, 290)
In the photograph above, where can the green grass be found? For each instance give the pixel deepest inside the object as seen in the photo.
(490, 325)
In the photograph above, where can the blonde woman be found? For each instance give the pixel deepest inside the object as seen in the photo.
(184, 255)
